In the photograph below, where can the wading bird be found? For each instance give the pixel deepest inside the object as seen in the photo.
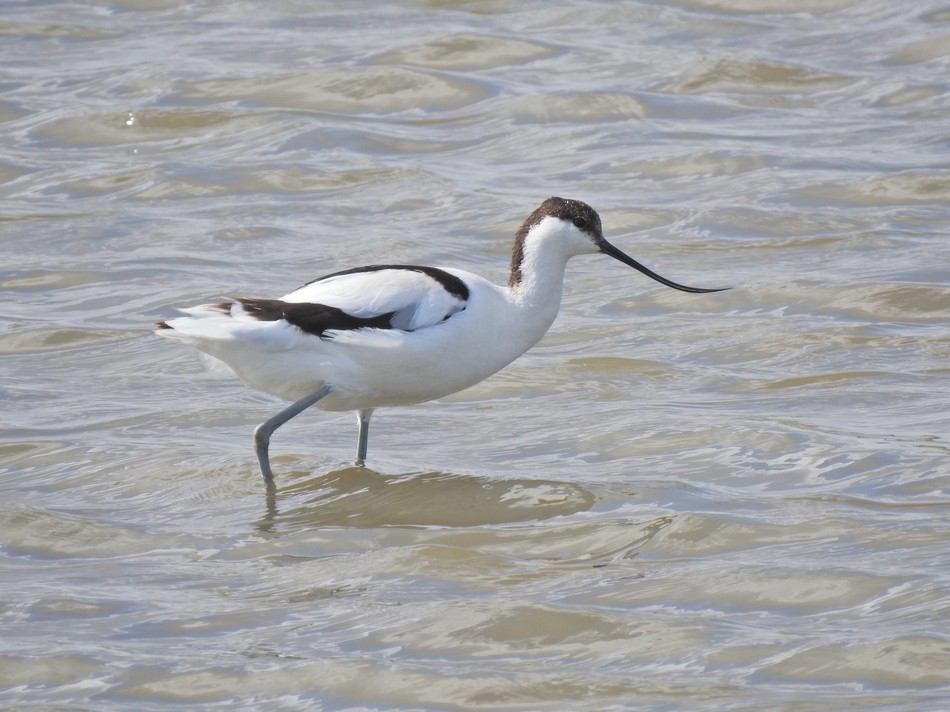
(391, 335)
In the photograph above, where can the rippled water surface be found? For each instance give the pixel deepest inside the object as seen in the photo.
(675, 502)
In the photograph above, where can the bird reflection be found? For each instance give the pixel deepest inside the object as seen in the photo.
(362, 498)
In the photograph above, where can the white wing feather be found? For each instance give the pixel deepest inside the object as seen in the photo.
(415, 299)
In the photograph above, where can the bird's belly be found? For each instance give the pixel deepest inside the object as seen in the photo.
(389, 368)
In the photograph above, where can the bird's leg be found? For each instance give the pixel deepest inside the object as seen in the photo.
(263, 431)
(364, 416)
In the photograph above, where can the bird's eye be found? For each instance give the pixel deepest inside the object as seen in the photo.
(580, 223)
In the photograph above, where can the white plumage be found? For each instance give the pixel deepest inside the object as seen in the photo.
(390, 335)
(416, 299)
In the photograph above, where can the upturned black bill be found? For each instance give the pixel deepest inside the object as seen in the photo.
(609, 249)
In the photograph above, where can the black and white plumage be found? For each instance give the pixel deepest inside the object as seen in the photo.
(389, 335)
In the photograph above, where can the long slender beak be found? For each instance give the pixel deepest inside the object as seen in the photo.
(609, 249)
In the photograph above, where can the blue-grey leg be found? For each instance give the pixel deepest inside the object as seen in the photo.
(263, 431)
(364, 416)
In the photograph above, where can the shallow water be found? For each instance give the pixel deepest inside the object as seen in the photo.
(676, 501)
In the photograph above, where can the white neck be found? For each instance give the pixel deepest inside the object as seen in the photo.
(538, 282)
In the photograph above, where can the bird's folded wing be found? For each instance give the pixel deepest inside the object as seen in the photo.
(413, 297)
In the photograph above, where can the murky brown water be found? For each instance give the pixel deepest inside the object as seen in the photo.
(703, 502)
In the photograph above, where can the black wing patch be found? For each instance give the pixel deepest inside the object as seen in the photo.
(312, 318)
(450, 283)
